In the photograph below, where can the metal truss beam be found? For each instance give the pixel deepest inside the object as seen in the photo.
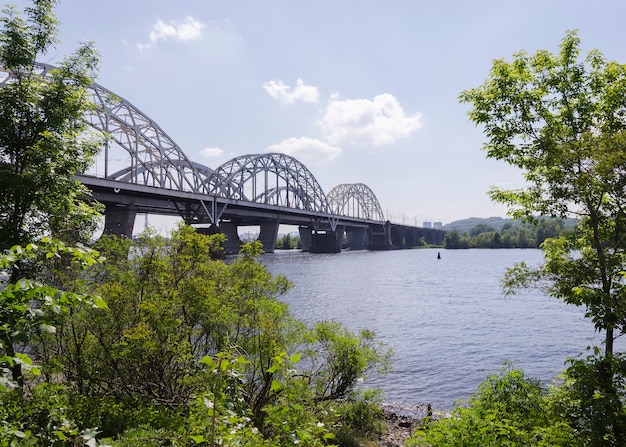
(271, 179)
(355, 200)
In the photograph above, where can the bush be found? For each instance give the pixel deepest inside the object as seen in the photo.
(508, 409)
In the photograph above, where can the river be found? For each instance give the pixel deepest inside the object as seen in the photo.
(446, 319)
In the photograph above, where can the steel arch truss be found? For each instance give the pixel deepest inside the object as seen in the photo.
(144, 174)
(271, 179)
(355, 200)
(155, 159)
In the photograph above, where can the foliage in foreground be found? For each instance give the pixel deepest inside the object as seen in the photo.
(559, 118)
(188, 351)
(509, 409)
(44, 138)
(31, 414)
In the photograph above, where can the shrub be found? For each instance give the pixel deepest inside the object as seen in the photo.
(508, 409)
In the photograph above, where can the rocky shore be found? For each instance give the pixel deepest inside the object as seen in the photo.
(401, 422)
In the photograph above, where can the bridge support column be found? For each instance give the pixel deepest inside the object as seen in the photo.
(267, 236)
(119, 220)
(398, 235)
(328, 241)
(305, 238)
(411, 238)
(433, 236)
(232, 244)
(380, 237)
(356, 238)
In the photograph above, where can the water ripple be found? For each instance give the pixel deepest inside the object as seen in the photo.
(446, 320)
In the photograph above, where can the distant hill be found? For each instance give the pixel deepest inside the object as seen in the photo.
(465, 225)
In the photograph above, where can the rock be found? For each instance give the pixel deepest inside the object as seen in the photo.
(400, 424)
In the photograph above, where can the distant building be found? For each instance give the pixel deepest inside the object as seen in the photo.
(248, 236)
(438, 225)
(428, 225)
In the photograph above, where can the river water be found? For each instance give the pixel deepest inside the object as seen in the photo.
(446, 319)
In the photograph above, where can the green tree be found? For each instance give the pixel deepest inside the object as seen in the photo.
(455, 239)
(30, 309)
(29, 313)
(480, 228)
(483, 240)
(560, 118)
(287, 242)
(175, 313)
(43, 136)
(548, 229)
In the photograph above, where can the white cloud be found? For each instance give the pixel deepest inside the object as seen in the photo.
(212, 152)
(306, 150)
(189, 29)
(367, 123)
(301, 92)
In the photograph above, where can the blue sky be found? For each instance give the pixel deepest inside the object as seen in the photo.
(359, 91)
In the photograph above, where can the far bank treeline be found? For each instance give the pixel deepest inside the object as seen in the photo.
(497, 232)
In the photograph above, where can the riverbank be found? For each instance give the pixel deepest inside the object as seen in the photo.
(399, 428)
(401, 422)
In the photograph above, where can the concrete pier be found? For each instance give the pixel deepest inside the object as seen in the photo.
(326, 241)
(119, 220)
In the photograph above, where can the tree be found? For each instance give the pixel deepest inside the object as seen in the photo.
(481, 228)
(562, 121)
(30, 309)
(43, 138)
(29, 312)
(174, 313)
(454, 239)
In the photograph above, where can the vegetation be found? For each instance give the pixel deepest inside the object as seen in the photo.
(511, 234)
(561, 121)
(163, 343)
(187, 350)
(43, 136)
(509, 409)
(287, 242)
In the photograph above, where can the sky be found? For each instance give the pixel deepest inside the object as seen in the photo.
(358, 91)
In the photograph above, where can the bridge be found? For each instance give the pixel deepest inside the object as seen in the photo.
(265, 190)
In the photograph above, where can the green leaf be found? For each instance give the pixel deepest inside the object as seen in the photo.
(23, 359)
(208, 360)
(99, 302)
(198, 439)
(295, 358)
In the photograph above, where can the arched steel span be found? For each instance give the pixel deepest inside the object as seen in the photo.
(155, 159)
(142, 175)
(355, 200)
(272, 179)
